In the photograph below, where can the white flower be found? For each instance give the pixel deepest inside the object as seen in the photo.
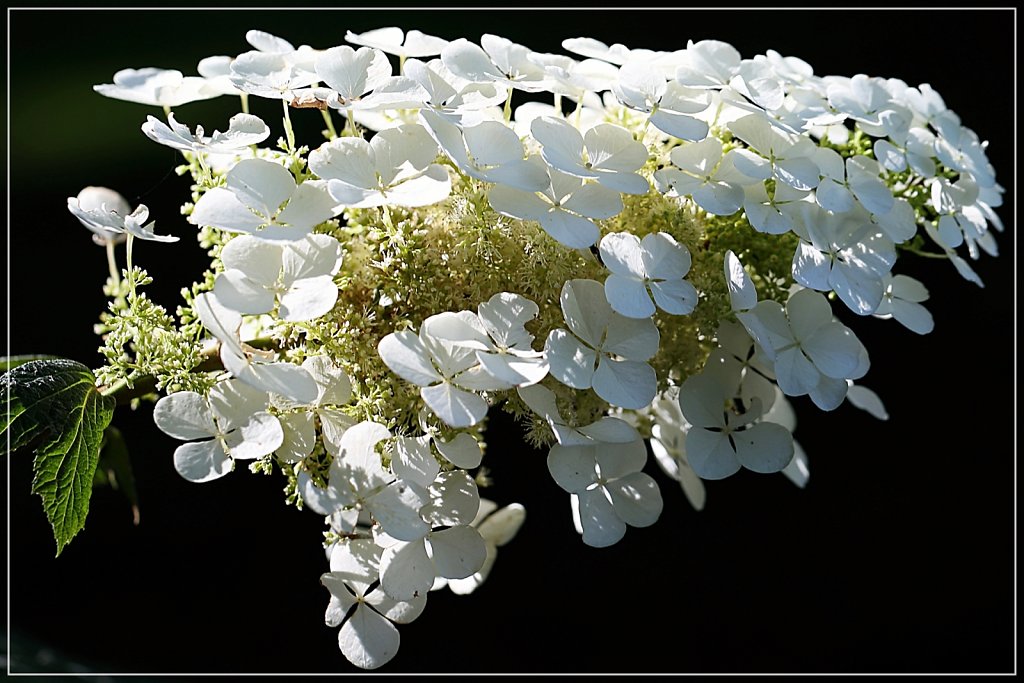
(499, 60)
(701, 171)
(616, 53)
(902, 301)
(451, 96)
(299, 420)
(270, 74)
(604, 350)
(844, 253)
(667, 103)
(726, 431)
(812, 353)
(299, 276)
(488, 151)
(573, 79)
(157, 87)
(361, 79)
(657, 263)
(101, 210)
(498, 336)
(785, 158)
(358, 481)
(394, 41)
(452, 549)
(857, 178)
(233, 420)
(448, 374)
(867, 400)
(243, 130)
(608, 489)
(541, 400)
(252, 198)
(497, 527)
(708, 64)
(566, 208)
(772, 214)
(395, 168)
(367, 638)
(606, 153)
(97, 203)
(253, 367)
(867, 102)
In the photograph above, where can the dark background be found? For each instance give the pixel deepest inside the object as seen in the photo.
(899, 555)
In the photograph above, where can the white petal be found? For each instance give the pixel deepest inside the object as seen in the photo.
(834, 349)
(310, 205)
(462, 451)
(397, 509)
(406, 571)
(455, 407)
(413, 460)
(797, 471)
(636, 498)
(811, 267)
(766, 447)
(405, 354)
(710, 454)
(621, 254)
(220, 208)
(586, 310)
(611, 430)
(631, 338)
(575, 232)
(913, 316)
(626, 384)
(202, 461)
(512, 370)
(431, 187)
(572, 467)
(309, 299)
(742, 294)
(601, 526)
(570, 362)
(184, 415)
(457, 552)
(367, 639)
(454, 500)
(867, 400)
(260, 435)
(628, 296)
(235, 290)
(677, 297)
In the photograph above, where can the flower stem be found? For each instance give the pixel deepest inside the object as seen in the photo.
(129, 243)
(508, 106)
(289, 133)
(245, 102)
(331, 133)
(115, 276)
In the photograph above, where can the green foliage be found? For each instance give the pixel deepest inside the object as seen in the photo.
(54, 407)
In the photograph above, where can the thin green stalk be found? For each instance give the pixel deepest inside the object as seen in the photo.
(115, 276)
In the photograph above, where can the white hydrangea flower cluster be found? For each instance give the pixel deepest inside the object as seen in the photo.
(840, 175)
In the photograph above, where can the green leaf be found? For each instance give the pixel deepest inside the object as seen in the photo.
(54, 406)
(115, 468)
(8, 362)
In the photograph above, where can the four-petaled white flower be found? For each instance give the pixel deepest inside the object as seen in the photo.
(448, 374)
(243, 130)
(667, 103)
(488, 151)
(657, 263)
(499, 337)
(252, 198)
(811, 352)
(603, 350)
(395, 168)
(232, 421)
(542, 401)
(496, 60)
(253, 367)
(727, 430)
(297, 276)
(105, 213)
(361, 79)
(701, 171)
(334, 389)
(358, 604)
(566, 208)
(902, 301)
(606, 153)
(668, 444)
(451, 549)
(608, 489)
(157, 87)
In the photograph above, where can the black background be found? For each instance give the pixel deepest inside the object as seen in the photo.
(899, 555)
